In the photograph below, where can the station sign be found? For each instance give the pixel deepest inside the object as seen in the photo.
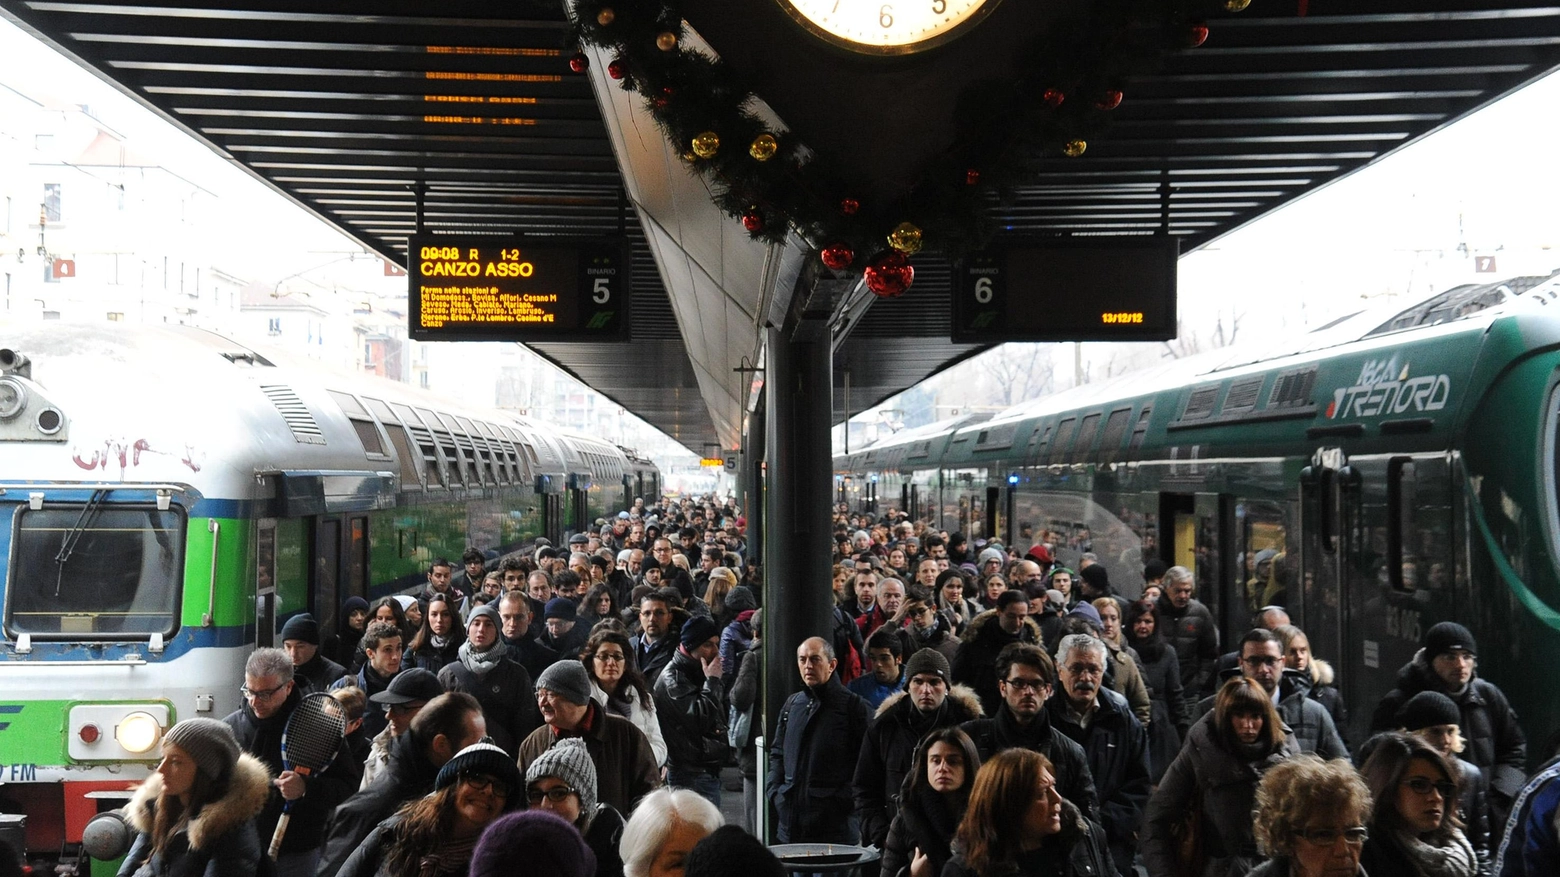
(1091, 289)
(471, 288)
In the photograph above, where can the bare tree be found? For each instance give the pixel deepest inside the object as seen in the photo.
(1190, 342)
(1018, 372)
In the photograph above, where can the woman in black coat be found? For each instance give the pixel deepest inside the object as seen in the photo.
(935, 795)
(1161, 671)
(1414, 831)
(438, 641)
(1016, 824)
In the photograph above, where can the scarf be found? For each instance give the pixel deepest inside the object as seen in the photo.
(452, 856)
(439, 643)
(1455, 859)
(481, 662)
(942, 811)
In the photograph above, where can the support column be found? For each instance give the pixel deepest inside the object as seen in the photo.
(798, 597)
(753, 484)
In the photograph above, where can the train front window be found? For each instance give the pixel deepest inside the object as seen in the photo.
(95, 572)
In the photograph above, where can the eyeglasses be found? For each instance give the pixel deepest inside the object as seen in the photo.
(483, 783)
(556, 794)
(1326, 837)
(265, 694)
(1026, 684)
(1422, 786)
(610, 658)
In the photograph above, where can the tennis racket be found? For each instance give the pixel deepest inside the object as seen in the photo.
(309, 743)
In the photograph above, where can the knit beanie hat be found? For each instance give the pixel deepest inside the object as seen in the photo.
(1039, 553)
(482, 758)
(1448, 636)
(548, 847)
(301, 627)
(730, 850)
(209, 742)
(1428, 708)
(741, 599)
(1097, 577)
(488, 611)
(568, 761)
(561, 608)
(406, 601)
(991, 554)
(568, 680)
(927, 661)
(697, 631)
(1089, 613)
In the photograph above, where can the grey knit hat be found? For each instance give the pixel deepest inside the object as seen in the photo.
(927, 661)
(568, 761)
(210, 742)
(568, 680)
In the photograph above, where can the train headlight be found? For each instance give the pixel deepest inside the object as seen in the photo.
(138, 733)
(13, 398)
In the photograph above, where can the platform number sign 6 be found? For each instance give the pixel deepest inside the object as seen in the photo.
(979, 303)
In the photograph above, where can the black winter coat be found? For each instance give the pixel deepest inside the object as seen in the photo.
(1167, 727)
(975, 664)
(653, 657)
(528, 652)
(817, 738)
(1489, 724)
(692, 712)
(1070, 763)
(917, 827)
(431, 658)
(507, 696)
(219, 841)
(1117, 746)
(1195, 638)
(262, 738)
(1078, 850)
(889, 749)
(374, 718)
(319, 674)
(1309, 721)
(407, 775)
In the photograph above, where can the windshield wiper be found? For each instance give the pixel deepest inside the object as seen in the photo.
(73, 536)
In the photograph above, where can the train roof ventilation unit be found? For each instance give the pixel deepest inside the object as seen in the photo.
(297, 415)
(1243, 394)
(1293, 389)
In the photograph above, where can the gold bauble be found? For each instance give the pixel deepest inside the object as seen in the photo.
(1236, 5)
(1075, 148)
(689, 156)
(606, 16)
(905, 238)
(763, 147)
(705, 145)
(667, 40)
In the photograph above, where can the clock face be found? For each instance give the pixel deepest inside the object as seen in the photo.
(888, 27)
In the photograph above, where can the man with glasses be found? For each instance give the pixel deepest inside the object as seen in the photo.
(270, 697)
(382, 646)
(1262, 660)
(626, 768)
(1099, 720)
(655, 644)
(1025, 675)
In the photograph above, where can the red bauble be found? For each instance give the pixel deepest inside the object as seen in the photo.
(618, 68)
(1197, 35)
(850, 206)
(838, 257)
(658, 102)
(753, 221)
(1053, 97)
(579, 63)
(1109, 100)
(972, 177)
(890, 274)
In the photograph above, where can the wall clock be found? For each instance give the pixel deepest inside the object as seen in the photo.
(888, 27)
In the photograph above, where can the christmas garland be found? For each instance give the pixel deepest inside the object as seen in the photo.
(772, 182)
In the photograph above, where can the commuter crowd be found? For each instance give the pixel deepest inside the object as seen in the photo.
(968, 712)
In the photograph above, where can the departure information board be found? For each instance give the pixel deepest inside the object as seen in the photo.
(466, 288)
(1092, 289)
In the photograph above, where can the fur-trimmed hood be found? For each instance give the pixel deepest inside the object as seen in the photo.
(1321, 673)
(979, 623)
(246, 795)
(964, 698)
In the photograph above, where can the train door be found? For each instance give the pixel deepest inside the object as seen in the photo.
(327, 570)
(1327, 489)
(265, 582)
(1194, 531)
(995, 523)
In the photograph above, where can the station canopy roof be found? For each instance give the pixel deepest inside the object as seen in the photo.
(346, 107)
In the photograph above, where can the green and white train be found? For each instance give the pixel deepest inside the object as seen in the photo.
(168, 496)
(1377, 475)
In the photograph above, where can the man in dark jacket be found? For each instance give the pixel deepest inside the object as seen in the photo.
(1261, 659)
(564, 635)
(1188, 627)
(656, 642)
(440, 581)
(926, 704)
(1026, 677)
(817, 737)
(626, 768)
(514, 615)
(690, 702)
(502, 686)
(1495, 741)
(270, 696)
(988, 634)
(382, 647)
(1099, 720)
(448, 724)
(311, 669)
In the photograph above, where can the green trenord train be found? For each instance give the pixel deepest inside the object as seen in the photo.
(1375, 476)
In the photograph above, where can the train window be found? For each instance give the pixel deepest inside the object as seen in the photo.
(368, 436)
(95, 572)
(1064, 439)
(407, 456)
(1266, 567)
(1044, 445)
(1083, 442)
(1115, 429)
(1140, 430)
(1402, 504)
